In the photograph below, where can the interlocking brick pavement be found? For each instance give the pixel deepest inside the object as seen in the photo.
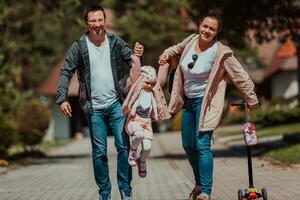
(68, 175)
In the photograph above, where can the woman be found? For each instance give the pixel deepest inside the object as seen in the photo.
(199, 87)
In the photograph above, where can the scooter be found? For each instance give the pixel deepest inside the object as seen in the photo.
(250, 137)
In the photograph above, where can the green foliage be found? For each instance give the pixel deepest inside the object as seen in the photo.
(264, 18)
(289, 155)
(10, 100)
(7, 134)
(36, 35)
(33, 121)
(274, 115)
(156, 24)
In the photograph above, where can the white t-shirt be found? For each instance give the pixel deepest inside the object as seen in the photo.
(196, 79)
(102, 81)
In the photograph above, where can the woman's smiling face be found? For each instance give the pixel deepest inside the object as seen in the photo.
(208, 29)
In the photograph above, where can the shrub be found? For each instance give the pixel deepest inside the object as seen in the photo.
(10, 100)
(33, 121)
(277, 115)
(7, 134)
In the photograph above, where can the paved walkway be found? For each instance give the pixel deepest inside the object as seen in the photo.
(67, 175)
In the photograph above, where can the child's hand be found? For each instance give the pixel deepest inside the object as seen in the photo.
(125, 111)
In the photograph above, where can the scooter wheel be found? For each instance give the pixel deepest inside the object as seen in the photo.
(264, 194)
(240, 194)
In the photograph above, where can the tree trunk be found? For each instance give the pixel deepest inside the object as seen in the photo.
(297, 39)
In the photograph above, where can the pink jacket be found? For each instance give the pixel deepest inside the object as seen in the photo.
(225, 66)
(160, 108)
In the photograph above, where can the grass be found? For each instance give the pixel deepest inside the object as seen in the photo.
(265, 132)
(19, 149)
(55, 144)
(288, 155)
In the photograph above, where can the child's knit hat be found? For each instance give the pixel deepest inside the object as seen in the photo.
(148, 74)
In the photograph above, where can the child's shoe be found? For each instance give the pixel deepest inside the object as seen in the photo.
(132, 157)
(142, 168)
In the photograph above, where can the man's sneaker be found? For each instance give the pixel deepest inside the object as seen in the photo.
(124, 197)
(132, 157)
(142, 168)
(196, 191)
(202, 196)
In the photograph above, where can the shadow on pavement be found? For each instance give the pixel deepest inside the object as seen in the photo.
(40, 158)
(238, 150)
(260, 148)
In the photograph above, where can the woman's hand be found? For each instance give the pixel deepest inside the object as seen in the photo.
(163, 58)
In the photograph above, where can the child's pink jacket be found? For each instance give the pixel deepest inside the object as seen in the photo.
(160, 110)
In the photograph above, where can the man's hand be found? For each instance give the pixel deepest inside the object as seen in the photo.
(65, 107)
(163, 58)
(138, 49)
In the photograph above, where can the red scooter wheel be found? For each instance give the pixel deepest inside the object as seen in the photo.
(252, 195)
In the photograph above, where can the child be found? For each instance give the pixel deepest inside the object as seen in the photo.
(145, 102)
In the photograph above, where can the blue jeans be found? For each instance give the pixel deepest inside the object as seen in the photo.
(197, 145)
(98, 123)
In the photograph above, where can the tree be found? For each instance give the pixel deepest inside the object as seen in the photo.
(153, 23)
(267, 19)
(34, 35)
(37, 34)
(161, 21)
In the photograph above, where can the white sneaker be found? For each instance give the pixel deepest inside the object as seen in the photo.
(132, 157)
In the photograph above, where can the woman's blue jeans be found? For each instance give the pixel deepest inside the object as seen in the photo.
(98, 123)
(197, 145)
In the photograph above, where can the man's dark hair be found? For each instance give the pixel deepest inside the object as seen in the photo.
(91, 8)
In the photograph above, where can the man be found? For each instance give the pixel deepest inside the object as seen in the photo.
(98, 57)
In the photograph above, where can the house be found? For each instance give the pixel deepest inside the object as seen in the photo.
(62, 127)
(281, 74)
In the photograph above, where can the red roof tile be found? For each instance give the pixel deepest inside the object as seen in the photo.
(288, 49)
(285, 59)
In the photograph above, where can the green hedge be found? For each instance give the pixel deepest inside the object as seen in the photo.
(270, 116)
(7, 134)
(276, 116)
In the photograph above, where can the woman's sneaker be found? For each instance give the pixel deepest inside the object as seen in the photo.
(132, 157)
(196, 191)
(202, 196)
(142, 168)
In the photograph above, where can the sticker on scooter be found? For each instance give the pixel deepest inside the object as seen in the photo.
(249, 132)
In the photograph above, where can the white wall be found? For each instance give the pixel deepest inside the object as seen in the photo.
(284, 84)
(59, 127)
(62, 127)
